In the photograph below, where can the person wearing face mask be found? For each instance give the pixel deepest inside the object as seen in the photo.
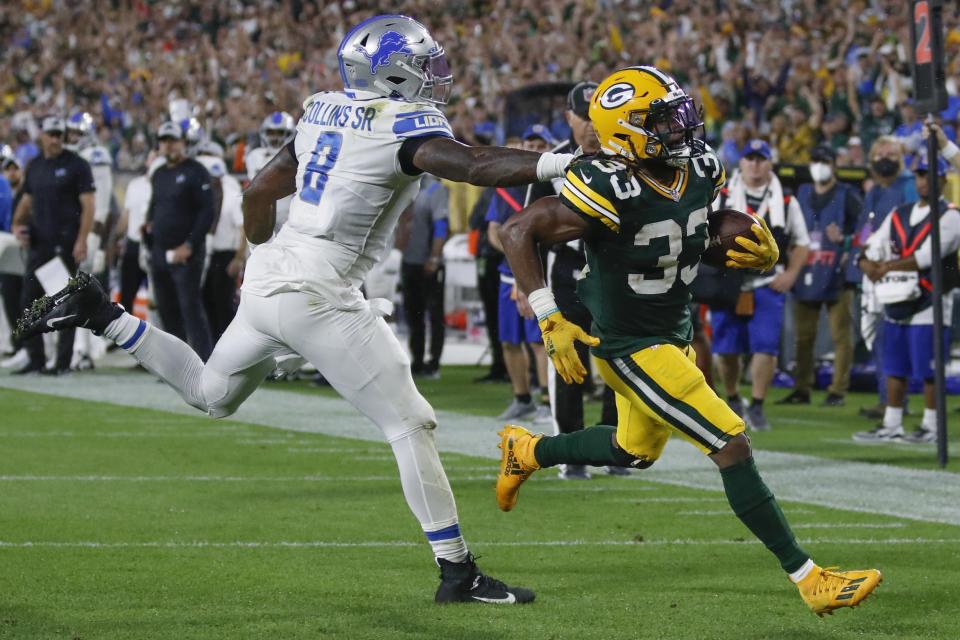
(901, 248)
(892, 186)
(830, 209)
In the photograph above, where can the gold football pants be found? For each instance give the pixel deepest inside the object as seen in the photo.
(660, 389)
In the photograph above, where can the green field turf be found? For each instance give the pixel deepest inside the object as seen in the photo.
(118, 522)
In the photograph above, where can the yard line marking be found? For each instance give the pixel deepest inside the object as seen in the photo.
(916, 494)
(848, 525)
(727, 512)
(213, 433)
(670, 500)
(331, 450)
(331, 544)
(572, 487)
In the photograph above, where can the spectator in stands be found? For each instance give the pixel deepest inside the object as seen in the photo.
(425, 231)
(892, 185)
(876, 122)
(179, 217)
(52, 220)
(754, 327)
(909, 131)
(830, 210)
(897, 259)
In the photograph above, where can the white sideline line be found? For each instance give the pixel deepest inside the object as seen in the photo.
(866, 487)
(391, 478)
(328, 544)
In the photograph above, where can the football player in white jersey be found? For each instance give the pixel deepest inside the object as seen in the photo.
(275, 131)
(354, 166)
(81, 138)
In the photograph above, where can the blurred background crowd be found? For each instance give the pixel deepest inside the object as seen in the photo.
(795, 71)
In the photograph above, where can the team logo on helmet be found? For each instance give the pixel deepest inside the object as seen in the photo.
(616, 95)
(390, 44)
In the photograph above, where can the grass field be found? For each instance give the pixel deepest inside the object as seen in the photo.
(120, 522)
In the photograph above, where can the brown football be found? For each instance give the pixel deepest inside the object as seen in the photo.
(725, 226)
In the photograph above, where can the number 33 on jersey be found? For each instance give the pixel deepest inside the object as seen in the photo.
(643, 249)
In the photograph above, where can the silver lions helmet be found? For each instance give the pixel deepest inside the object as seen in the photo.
(276, 128)
(81, 132)
(193, 134)
(395, 56)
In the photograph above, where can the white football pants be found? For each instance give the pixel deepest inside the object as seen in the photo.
(355, 351)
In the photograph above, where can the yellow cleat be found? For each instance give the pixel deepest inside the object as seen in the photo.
(826, 589)
(517, 463)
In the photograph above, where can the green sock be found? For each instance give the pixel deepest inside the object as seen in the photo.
(593, 446)
(756, 507)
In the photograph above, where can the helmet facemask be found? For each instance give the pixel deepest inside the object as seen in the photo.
(669, 128)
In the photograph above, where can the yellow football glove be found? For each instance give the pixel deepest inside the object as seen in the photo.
(559, 337)
(762, 256)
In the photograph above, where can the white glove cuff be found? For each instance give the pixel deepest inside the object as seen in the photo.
(949, 151)
(552, 165)
(542, 303)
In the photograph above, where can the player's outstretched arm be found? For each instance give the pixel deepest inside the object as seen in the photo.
(276, 180)
(546, 221)
(487, 166)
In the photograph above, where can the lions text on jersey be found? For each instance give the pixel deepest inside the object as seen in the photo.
(350, 193)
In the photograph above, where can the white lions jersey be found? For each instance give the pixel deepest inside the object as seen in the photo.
(350, 194)
(256, 160)
(101, 164)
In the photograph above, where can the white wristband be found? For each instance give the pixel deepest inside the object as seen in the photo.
(949, 151)
(552, 165)
(542, 302)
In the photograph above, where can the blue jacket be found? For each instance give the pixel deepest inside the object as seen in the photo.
(877, 205)
(6, 205)
(822, 277)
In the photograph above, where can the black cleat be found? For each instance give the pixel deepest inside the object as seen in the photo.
(82, 303)
(796, 397)
(464, 582)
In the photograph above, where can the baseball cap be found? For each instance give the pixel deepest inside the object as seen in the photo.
(539, 131)
(578, 100)
(757, 147)
(8, 157)
(170, 130)
(52, 124)
(823, 153)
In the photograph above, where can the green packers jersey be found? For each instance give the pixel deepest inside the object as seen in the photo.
(643, 249)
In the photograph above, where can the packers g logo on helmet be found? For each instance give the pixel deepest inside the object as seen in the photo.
(617, 94)
(642, 113)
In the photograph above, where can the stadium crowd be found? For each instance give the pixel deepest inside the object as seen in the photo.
(792, 82)
(797, 71)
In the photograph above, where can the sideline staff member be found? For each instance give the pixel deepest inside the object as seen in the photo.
(53, 218)
(181, 213)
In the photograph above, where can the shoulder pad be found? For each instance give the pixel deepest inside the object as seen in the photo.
(593, 186)
(311, 99)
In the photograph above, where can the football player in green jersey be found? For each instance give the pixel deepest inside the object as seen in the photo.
(641, 208)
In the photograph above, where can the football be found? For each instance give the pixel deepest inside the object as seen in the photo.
(725, 226)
